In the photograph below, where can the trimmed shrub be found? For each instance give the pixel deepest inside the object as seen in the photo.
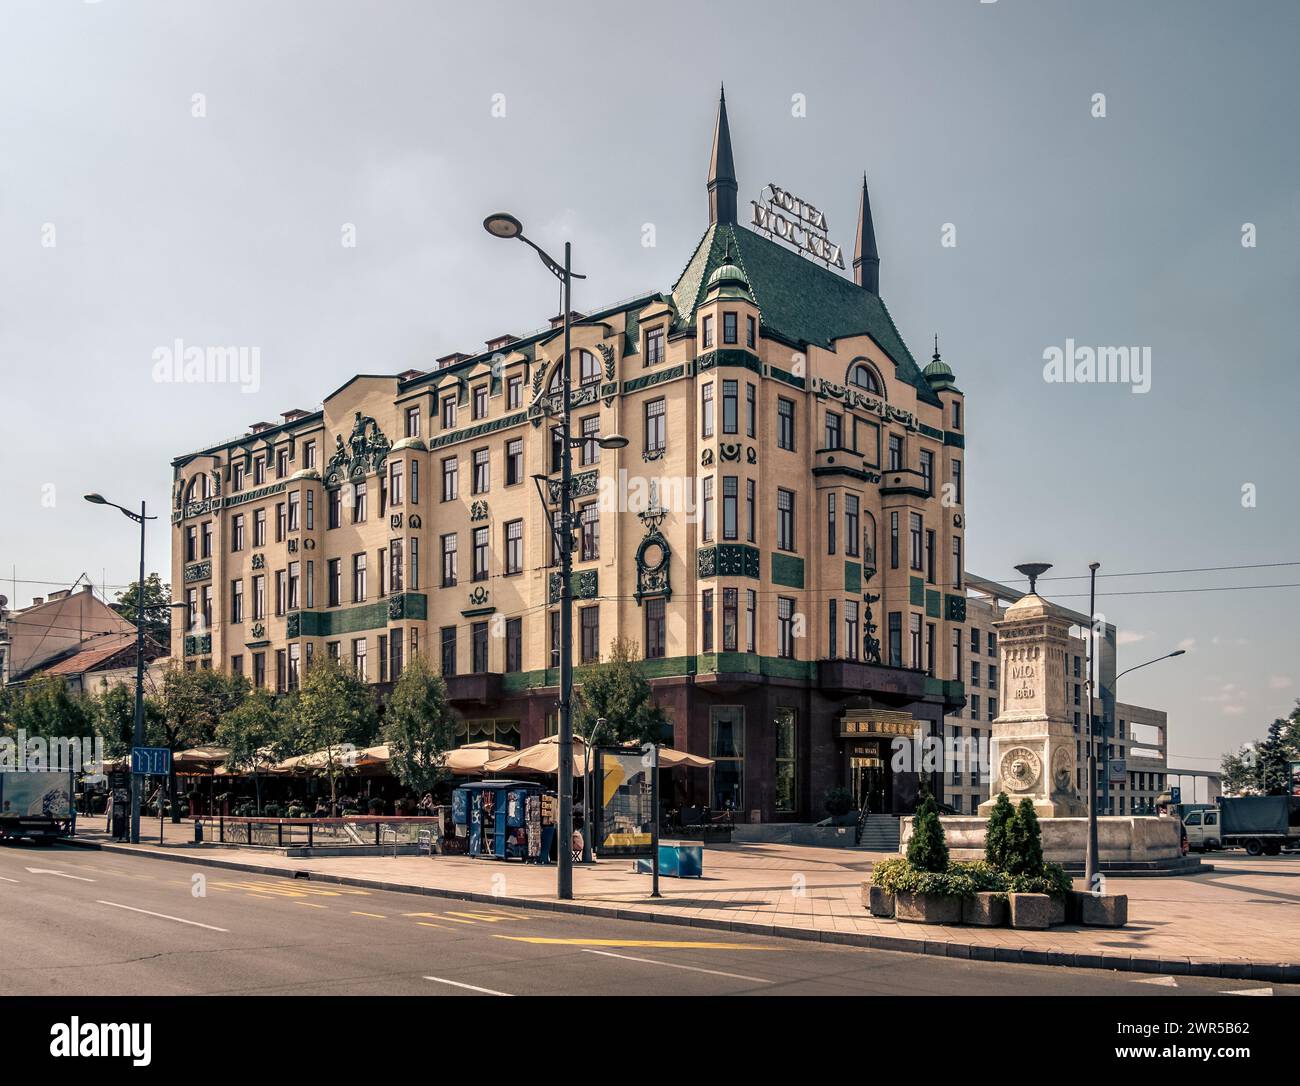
(927, 850)
(1024, 844)
(839, 801)
(995, 831)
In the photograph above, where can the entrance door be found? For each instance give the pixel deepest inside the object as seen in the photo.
(869, 782)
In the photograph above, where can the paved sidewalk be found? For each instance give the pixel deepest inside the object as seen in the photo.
(1240, 921)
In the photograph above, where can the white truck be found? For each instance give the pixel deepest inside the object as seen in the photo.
(37, 805)
(1262, 825)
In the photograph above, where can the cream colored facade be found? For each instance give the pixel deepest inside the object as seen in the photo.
(760, 375)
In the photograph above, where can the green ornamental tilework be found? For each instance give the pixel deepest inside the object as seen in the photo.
(956, 608)
(654, 378)
(728, 358)
(787, 570)
(852, 577)
(469, 433)
(932, 604)
(957, 441)
(365, 616)
(787, 378)
(916, 592)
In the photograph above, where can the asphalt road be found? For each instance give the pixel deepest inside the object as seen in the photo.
(77, 922)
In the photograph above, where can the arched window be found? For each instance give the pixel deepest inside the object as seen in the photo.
(862, 375)
(588, 368)
(557, 379)
(198, 488)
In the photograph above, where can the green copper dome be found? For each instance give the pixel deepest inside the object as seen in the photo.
(729, 281)
(938, 373)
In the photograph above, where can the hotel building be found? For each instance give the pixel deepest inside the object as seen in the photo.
(783, 537)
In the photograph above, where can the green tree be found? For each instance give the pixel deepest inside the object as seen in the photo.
(43, 707)
(157, 606)
(335, 713)
(995, 831)
(252, 732)
(419, 726)
(1263, 769)
(115, 718)
(1024, 843)
(192, 703)
(617, 690)
(927, 850)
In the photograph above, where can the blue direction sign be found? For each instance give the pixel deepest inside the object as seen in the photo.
(1175, 794)
(152, 760)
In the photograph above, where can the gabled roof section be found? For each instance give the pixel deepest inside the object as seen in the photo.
(798, 300)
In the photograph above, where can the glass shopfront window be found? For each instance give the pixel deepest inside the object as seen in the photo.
(786, 764)
(727, 749)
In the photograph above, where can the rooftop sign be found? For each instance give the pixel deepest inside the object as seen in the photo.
(781, 214)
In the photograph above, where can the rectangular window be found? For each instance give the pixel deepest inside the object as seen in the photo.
(930, 548)
(381, 567)
(785, 537)
(396, 566)
(706, 509)
(237, 665)
(415, 565)
(259, 471)
(787, 774)
(785, 626)
(730, 618)
(706, 410)
(751, 618)
(237, 601)
(514, 392)
(359, 503)
(412, 422)
(448, 644)
(259, 597)
(895, 452)
(514, 645)
(656, 421)
(281, 671)
(295, 500)
(311, 510)
(727, 749)
(281, 522)
(295, 585)
(450, 479)
(480, 402)
(955, 662)
(282, 462)
(396, 477)
(259, 528)
(851, 635)
(295, 665)
(832, 629)
(751, 409)
(893, 540)
(309, 454)
(590, 623)
(205, 549)
(730, 506)
(359, 659)
(479, 647)
(750, 330)
(851, 525)
(785, 423)
(480, 479)
(359, 578)
(589, 451)
(914, 636)
(589, 518)
(956, 481)
(730, 406)
(654, 346)
(730, 332)
(706, 620)
(708, 332)
(335, 514)
(514, 461)
(833, 435)
(750, 515)
(929, 648)
(449, 412)
(914, 538)
(281, 592)
(895, 639)
(514, 548)
(334, 582)
(481, 543)
(927, 471)
(237, 532)
(259, 669)
(655, 639)
(974, 640)
(955, 578)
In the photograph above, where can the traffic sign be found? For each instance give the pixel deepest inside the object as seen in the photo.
(152, 760)
(1175, 794)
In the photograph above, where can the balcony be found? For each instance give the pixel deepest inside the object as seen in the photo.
(905, 481)
(482, 688)
(844, 462)
(843, 677)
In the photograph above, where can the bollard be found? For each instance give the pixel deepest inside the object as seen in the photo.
(198, 832)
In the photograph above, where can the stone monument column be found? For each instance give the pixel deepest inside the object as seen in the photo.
(1032, 747)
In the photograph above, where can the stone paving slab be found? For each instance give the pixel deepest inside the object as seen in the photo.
(1241, 920)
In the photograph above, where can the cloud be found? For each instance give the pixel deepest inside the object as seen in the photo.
(1233, 710)
(1279, 682)
(1131, 637)
(1187, 643)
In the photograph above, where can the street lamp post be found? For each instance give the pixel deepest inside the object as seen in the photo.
(1090, 861)
(502, 225)
(1106, 724)
(137, 734)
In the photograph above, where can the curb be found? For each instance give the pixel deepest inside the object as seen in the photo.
(1236, 969)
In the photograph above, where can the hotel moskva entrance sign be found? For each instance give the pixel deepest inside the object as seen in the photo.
(781, 214)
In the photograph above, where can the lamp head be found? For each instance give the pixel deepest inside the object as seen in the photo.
(96, 499)
(612, 441)
(501, 225)
(1178, 652)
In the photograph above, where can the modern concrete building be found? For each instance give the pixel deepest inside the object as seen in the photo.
(783, 537)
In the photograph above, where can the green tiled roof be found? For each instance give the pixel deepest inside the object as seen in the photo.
(798, 300)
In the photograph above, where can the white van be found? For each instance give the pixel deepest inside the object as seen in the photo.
(1203, 833)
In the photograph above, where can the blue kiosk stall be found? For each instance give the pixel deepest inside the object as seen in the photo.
(503, 820)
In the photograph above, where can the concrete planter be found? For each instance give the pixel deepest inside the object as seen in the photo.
(1031, 911)
(875, 899)
(927, 908)
(1056, 911)
(1110, 911)
(984, 910)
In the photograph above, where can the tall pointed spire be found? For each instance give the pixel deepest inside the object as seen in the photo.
(866, 261)
(722, 169)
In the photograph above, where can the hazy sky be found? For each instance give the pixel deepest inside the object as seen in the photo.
(1122, 230)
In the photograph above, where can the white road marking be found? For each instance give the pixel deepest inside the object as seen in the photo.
(471, 987)
(676, 965)
(1167, 982)
(61, 874)
(1252, 992)
(3, 879)
(163, 916)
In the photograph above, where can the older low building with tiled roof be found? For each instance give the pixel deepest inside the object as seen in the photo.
(783, 537)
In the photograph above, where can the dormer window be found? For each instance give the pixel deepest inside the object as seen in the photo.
(654, 346)
(863, 376)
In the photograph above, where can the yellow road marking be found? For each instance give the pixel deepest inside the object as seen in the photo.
(663, 943)
(375, 916)
(426, 924)
(311, 904)
(487, 918)
(455, 921)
